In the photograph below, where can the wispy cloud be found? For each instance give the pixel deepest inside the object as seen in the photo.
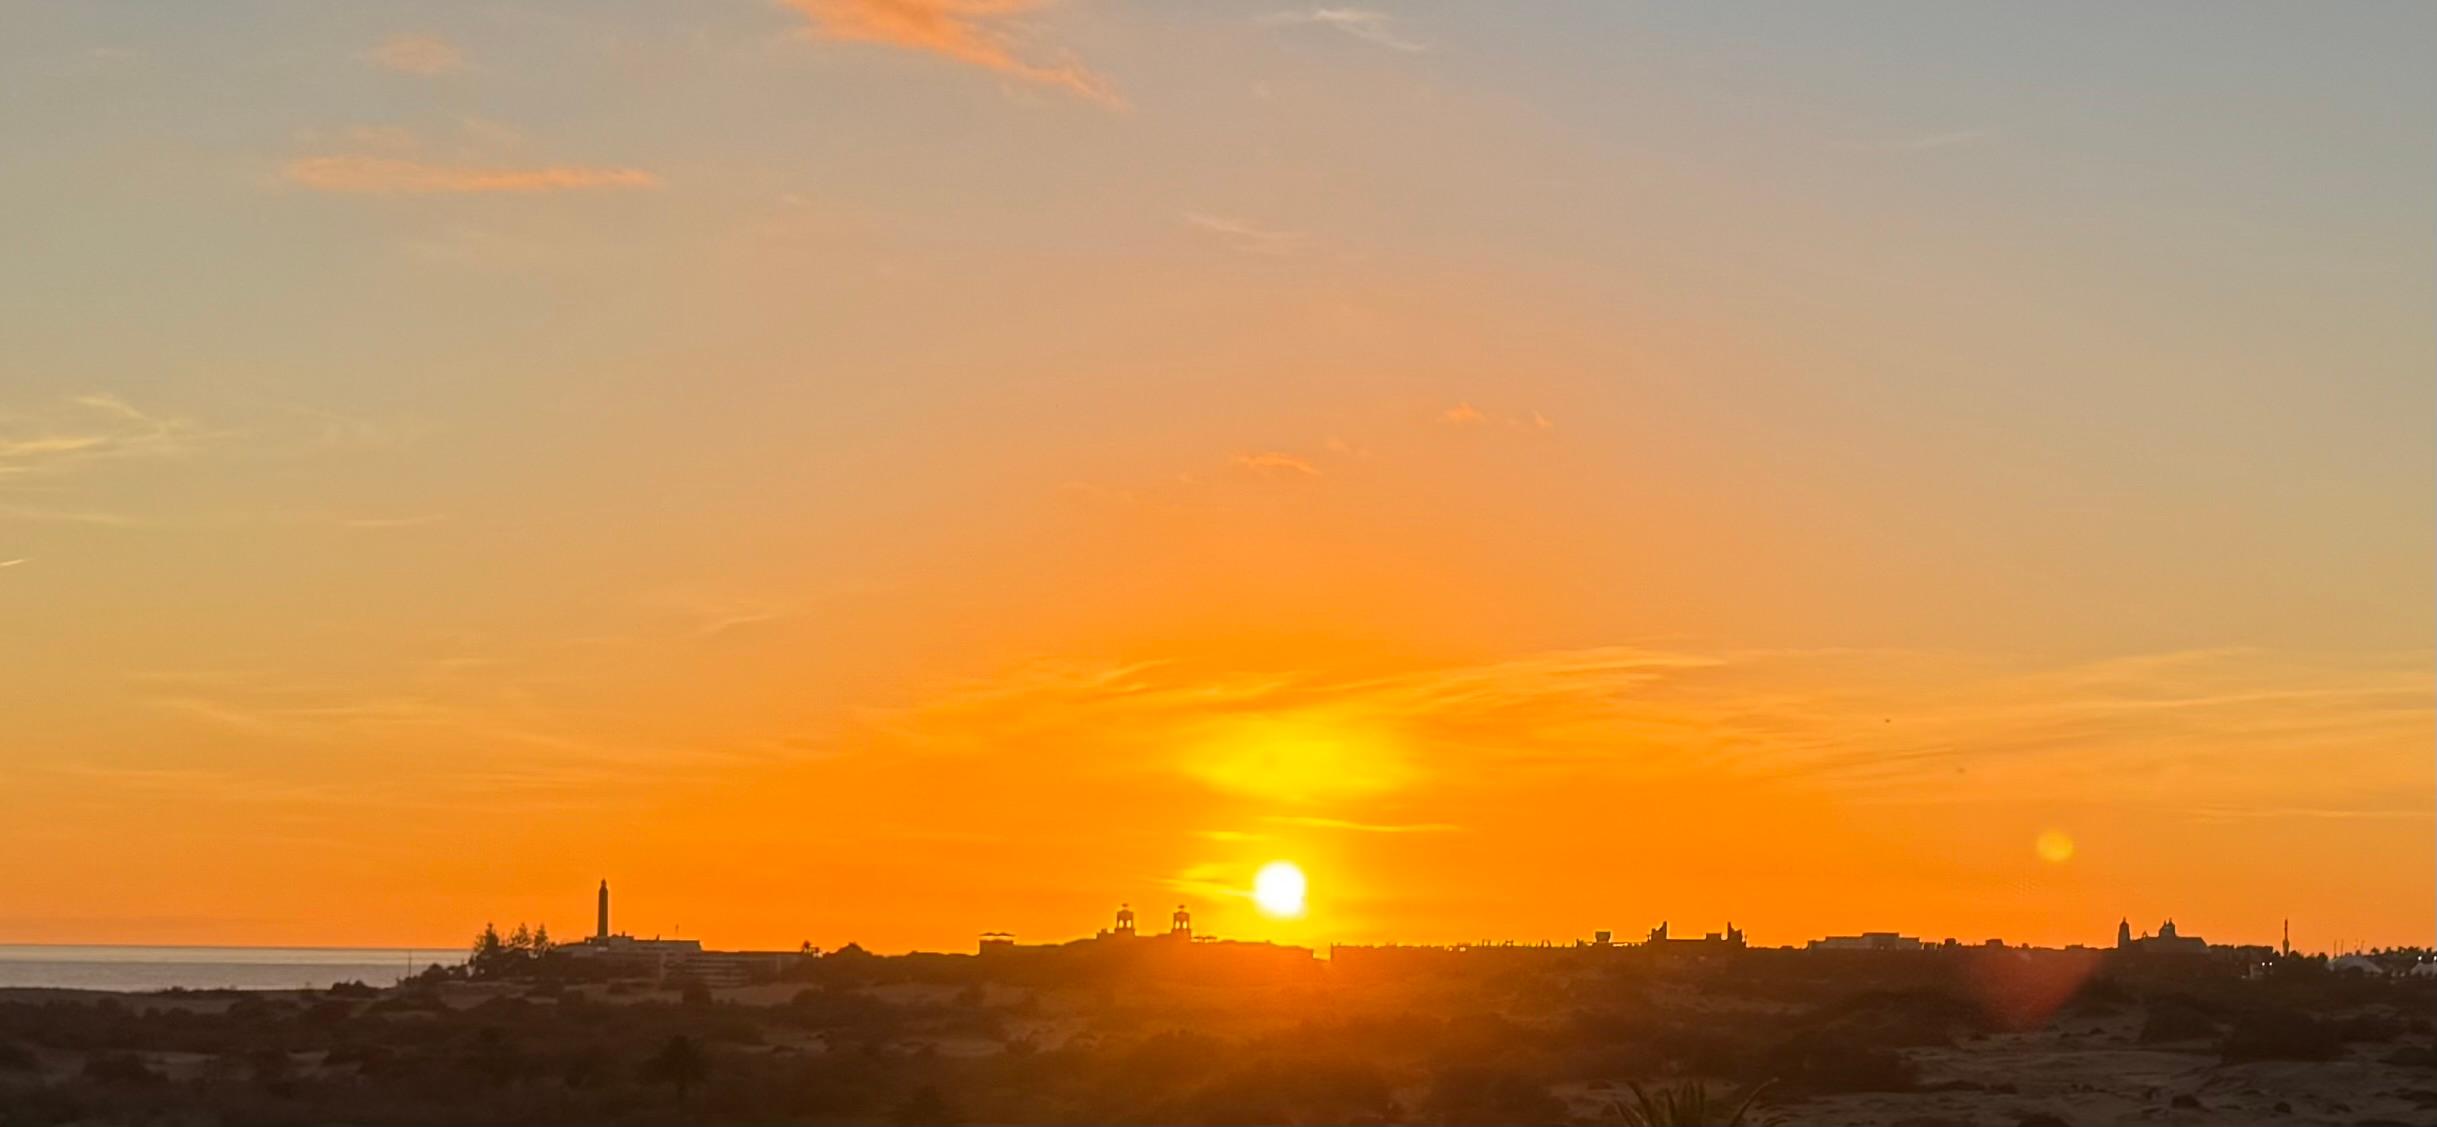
(53, 458)
(87, 428)
(508, 738)
(93, 518)
(191, 782)
(1467, 415)
(376, 175)
(2195, 732)
(423, 55)
(974, 32)
(1944, 140)
(418, 520)
(1246, 235)
(1275, 462)
(1209, 881)
(1364, 827)
(1374, 27)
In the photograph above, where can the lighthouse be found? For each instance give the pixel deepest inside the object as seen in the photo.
(600, 927)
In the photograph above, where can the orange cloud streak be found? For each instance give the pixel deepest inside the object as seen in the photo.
(954, 28)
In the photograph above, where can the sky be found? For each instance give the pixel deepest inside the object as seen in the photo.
(887, 470)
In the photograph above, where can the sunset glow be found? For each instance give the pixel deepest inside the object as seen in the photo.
(888, 472)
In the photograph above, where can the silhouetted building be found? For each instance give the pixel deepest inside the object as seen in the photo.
(2166, 942)
(1119, 950)
(604, 942)
(659, 958)
(1731, 938)
(1125, 925)
(1866, 941)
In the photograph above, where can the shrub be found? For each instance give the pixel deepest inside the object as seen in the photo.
(2174, 1017)
(2369, 1027)
(1687, 1105)
(120, 1069)
(925, 1106)
(1474, 1094)
(1822, 1063)
(2281, 1035)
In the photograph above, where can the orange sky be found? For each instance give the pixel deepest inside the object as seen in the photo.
(884, 472)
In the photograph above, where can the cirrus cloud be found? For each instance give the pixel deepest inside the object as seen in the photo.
(423, 55)
(374, 175)
(1277, 462)
(1372, 27)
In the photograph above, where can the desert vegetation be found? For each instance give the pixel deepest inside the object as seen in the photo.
(857, 1038)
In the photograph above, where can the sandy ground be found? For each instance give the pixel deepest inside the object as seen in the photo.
(2096, 1072)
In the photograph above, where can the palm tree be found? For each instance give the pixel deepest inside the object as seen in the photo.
(1688, 1105)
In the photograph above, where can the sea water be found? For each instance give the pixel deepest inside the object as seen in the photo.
(210, 968)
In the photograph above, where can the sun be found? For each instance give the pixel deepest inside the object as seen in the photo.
(1278, 889)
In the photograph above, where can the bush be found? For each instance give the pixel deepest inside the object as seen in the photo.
(925, 1106)
(1474, 1094)
(2369, 1027)
(1900, 1018)
(2282, 1035)
(1818, 1063)
(120, 1069)
(2173, 1017)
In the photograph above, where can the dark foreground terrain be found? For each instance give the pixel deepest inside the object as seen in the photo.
(1980, 1036)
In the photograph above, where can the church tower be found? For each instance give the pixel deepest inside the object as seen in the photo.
(2123, 934)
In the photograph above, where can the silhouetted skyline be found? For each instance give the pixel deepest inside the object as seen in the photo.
(887, 469)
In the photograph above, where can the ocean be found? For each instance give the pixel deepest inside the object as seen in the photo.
(210, 968)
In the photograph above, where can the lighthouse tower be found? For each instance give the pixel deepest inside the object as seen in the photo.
(600, 927)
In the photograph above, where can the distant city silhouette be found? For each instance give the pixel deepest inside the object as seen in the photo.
(615, 952)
